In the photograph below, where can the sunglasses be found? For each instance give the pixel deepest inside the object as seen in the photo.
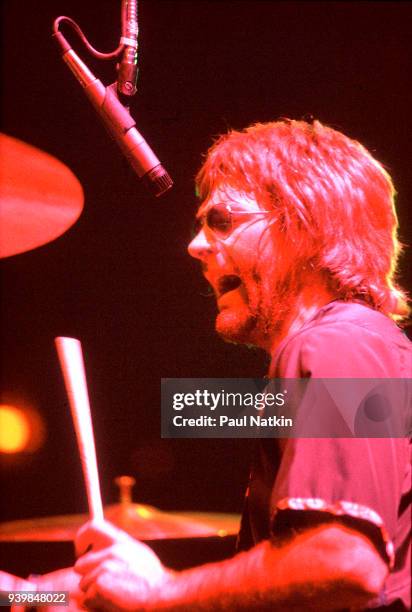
(222, 220)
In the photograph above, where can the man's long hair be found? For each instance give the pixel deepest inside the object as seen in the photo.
(332, 201)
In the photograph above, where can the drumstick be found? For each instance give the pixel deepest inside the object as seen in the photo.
(70, 355)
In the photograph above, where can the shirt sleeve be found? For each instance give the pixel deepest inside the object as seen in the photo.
(356, 481)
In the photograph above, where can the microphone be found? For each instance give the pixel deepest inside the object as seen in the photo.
(119, 122)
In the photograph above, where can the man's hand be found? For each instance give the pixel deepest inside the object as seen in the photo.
(9, 582)
(118, 572)
(61, 580)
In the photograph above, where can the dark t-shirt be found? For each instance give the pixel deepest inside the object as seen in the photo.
(363, 483)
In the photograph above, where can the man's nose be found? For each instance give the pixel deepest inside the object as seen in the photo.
(199, 247)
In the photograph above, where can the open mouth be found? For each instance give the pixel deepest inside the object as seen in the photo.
(227, 283)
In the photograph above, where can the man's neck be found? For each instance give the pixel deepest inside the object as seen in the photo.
(305, 306)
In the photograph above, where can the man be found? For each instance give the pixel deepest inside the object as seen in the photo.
(297, 237)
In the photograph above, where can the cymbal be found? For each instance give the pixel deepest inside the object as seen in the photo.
(40, 198)
(141, 521)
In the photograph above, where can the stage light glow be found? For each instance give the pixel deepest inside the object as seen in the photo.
(14, 429)
(22, 428)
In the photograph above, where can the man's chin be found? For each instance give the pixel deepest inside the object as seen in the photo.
(237, 327)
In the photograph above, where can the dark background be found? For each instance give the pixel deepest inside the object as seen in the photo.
(120, 279)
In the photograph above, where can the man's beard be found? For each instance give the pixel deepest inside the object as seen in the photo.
(261, 316)
(237, 326)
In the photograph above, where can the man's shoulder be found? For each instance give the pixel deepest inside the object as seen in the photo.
(345, 339)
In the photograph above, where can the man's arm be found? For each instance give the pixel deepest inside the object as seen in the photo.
(327, 568)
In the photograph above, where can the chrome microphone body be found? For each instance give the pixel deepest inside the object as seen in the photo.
(120, 124)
